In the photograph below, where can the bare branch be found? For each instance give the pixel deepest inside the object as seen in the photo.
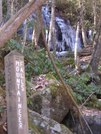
(12, 25)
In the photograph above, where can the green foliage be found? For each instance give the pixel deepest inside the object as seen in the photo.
(1, 80)
(13, 44)
(83, 88)
(1, 109)
(37, 62)
(41, 63)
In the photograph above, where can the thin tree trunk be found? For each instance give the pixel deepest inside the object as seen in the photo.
(96, 55)
(0, 12)
(82, 23)
(24, 36)
(94, 10)
(65, 86)
(12, 8)
(52, 28)
(50, 31)
(36, 31)
(76, 46)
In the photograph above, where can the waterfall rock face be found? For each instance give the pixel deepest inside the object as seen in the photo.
(65, 33)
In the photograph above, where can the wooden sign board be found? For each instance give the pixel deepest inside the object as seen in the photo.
(17, 121)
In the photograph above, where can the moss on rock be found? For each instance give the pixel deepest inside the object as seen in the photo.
(46, 125)
(32, 128)
(50, 76)
(52, 101)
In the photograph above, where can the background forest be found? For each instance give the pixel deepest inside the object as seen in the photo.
(47, 50)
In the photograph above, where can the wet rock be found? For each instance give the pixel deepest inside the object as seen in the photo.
(51, 100)
(45, 125)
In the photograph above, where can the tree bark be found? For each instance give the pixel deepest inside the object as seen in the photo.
(12, 25)
(36, 31)
(82, 23)
(24, 36)
(0, 12)
(52, 28)
(76, 46)
(94, 10)
(96, 55)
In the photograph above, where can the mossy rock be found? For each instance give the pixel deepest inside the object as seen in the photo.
(46, 125)
(32, 128)
(50, 76)
(52, 101)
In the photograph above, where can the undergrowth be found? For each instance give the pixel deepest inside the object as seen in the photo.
(37, 62)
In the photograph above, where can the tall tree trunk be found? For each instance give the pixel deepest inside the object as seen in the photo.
(52, 33)
(11, 7)
(94, 10)
(82, 23)
(76, 46)
(24, 36)
(53, 29)
(36, 31)
(25, 33)
(96, 55)
(0, 12)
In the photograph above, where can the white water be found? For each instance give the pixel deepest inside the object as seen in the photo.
(65, 33)
(65, 30)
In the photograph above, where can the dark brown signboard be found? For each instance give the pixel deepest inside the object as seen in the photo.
(17, 120)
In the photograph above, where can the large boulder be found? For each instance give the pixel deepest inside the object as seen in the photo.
(92, 116)
(51, 99)
(45, 125)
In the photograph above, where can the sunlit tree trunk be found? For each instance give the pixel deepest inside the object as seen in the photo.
(76, 46)
(24, 36)
(36, 31)
(50, 31)
(0, 12)
(82, 22)
(52, 28)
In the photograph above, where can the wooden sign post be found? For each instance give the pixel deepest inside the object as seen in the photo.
(17, 121)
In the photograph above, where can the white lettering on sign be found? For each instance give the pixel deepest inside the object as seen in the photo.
(20, 88)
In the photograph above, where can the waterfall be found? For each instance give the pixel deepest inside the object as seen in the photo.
(65, 33)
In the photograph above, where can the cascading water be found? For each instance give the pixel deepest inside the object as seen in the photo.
(68, 35)
(65, 33)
